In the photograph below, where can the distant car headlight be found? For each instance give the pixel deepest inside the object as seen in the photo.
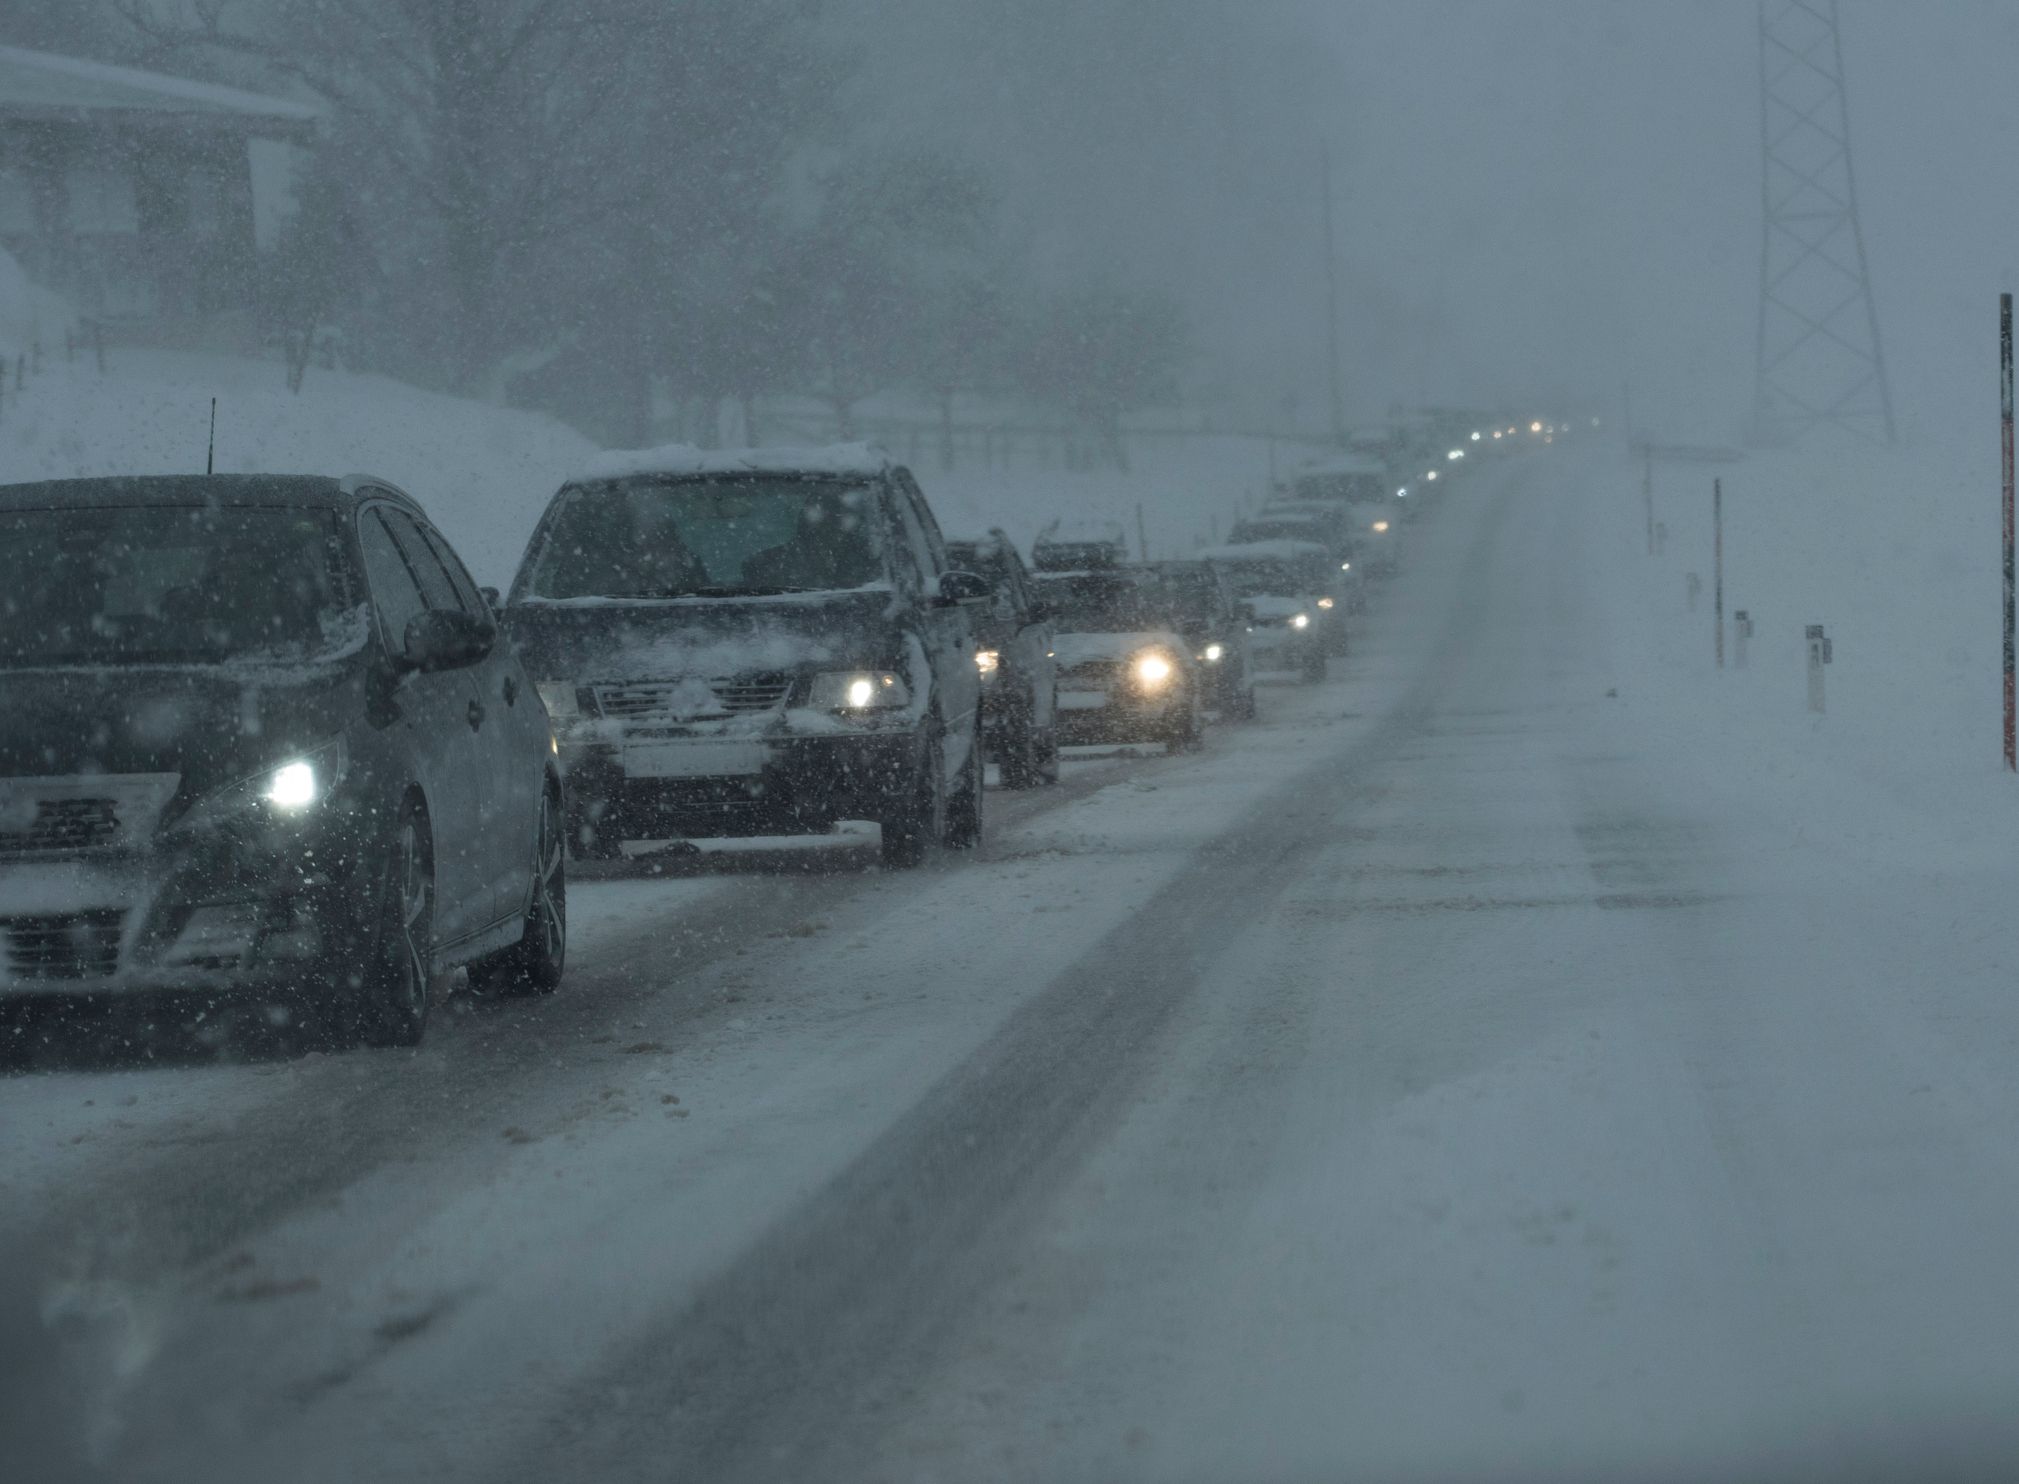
(1300, 621)
(858, 691)
(1153, 669)
(1345, 566)
(1324, 602)
(1380, 527)
(1212, 654)
(988, 661)
(560, 699)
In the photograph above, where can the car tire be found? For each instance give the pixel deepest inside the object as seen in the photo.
(589, 841)
(393, 995)
(918, 823)
(1022, 761)
(1313, 668)
(534, 964)
(966, 811)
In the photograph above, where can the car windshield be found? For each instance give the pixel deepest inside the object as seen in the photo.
(1098, 603)
(1278, 530)
(708, 537)
(172, 585)
(1343, 487)
(1190, 596)
(1270, 577)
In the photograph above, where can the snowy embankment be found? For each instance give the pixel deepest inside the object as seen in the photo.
(483, 472)
(1896, 553)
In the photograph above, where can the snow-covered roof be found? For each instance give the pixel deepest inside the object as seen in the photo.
(1263, 551)
(845, 460)
(44, 83)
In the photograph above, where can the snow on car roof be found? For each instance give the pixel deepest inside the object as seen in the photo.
(1263, 551)
(842, 460)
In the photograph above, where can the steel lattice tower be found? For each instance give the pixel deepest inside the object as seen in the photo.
(1819, 356)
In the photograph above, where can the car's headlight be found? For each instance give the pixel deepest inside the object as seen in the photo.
(1345, 566)
(289, 789)
(1380, 527)
(1300, 621)
(1212, 654)
(1324, 602)
(1153, 669)
(560, 698)
(988, 661)
(858, 691)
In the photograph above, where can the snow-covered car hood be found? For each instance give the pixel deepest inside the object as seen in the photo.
(210, 725)
(708, 638)
(1074, 649)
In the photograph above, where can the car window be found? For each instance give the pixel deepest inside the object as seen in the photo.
(395, 593)
(920, 526)
(467, 594)
(435, 585)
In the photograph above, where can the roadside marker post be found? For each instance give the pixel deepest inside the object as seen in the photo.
(1718, 564)
(2005, 441)
(1647, 498)
(1819, 656)
(1742, 630)
(1692, 585)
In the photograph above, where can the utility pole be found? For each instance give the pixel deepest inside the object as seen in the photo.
(1332, 301)
(1818, 355)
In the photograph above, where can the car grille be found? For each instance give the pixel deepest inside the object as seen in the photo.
(682, 700)
(64, 824)
(1092, 673)
(73, 945)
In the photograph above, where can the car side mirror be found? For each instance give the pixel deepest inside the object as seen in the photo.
(957, 589)
(446, 639)
(1042, 613)
(491, 598)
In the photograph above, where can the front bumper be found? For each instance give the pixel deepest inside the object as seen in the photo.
(212, 918)
(651, 785)
(1280, 647)
(1087, 714)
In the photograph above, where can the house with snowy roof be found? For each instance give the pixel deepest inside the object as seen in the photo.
(143, 198)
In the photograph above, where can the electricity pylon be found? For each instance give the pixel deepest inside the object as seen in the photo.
(1819, 357)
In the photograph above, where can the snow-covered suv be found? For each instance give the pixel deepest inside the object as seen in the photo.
(760, 642)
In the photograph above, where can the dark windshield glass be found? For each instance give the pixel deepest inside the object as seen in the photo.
(1272, 578)
(1190, 596)
(169, 585)
(1094, 603)
(670, 538)
(1344, 487)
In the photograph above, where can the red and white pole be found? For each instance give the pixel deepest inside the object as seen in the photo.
(2005, 435)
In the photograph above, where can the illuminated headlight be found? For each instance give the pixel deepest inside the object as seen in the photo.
(1301, 621)
(292, 786)
(1380, 527)
(1535, 427)
(1475, 437)
(1153, 669)
(1345, 566)
(1431, 475)
(560, 699)
(859, 691)
(988, 661)
(1212, 654)
(1455, 454)
(1496, 432)
(1403, 493)
(1324, 602)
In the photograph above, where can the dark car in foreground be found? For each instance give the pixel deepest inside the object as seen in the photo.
(1125, 673)
(758, 643)
(1207, 612)
(1019, 670)
(261, 742)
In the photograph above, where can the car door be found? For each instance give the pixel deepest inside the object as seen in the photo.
(947, 630)
(515, 736)
(430, 714)
(1034, 644)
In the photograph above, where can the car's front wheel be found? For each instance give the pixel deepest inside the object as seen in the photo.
(533, 965)
(1022, 758)
(965, 810)
(917, 822)
(391, 997)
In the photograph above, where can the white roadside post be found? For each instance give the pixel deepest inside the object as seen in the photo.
(1819, 656)
(1742, 630)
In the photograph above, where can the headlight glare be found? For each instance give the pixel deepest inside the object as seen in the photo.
(292, 786)
(1301, 621)
(988, 661)
(1324, 602)
(858, 691)
(1153, 669)
(1213, 653)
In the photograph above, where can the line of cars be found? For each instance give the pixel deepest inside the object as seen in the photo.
(266, 740)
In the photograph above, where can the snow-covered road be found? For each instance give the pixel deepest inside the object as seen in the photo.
(1434, 1080)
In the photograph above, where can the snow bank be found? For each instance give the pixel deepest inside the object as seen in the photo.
(484, 473)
